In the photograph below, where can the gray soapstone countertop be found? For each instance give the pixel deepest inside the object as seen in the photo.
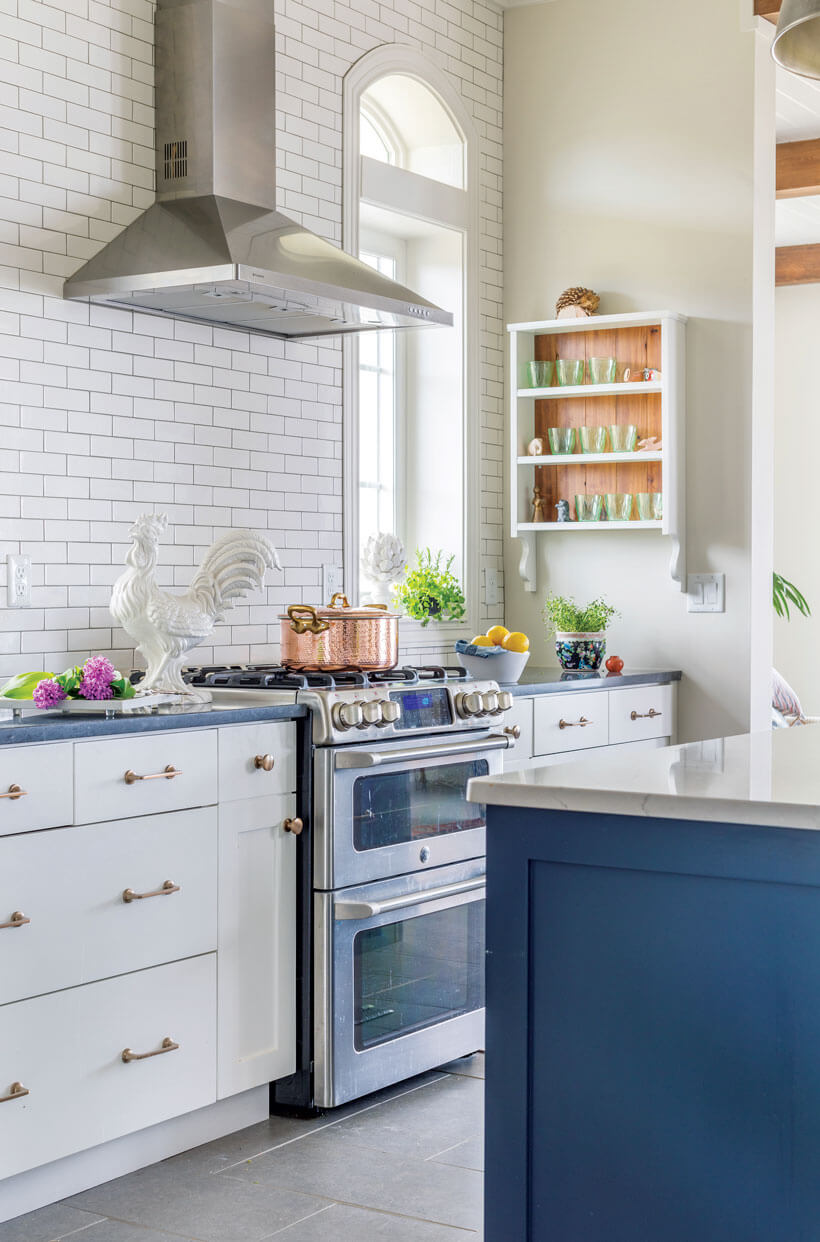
(557, 681)
(176, 716)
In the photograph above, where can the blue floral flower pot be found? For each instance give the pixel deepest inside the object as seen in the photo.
(580, 651)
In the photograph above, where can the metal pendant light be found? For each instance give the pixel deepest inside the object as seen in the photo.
(797, 42)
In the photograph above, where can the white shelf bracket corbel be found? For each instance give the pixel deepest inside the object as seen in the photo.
(527, 565)
(677, 565)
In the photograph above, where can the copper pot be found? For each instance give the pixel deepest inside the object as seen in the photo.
(339, 637)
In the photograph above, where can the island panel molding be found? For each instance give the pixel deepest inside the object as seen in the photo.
(639, 341)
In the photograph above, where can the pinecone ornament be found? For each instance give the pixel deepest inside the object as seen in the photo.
(577, 303)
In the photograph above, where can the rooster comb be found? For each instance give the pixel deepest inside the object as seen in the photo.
(150, 526)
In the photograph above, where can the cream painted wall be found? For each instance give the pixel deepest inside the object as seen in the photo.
(797, 448)
(628, 147)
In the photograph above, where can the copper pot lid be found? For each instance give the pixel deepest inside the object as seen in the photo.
(341, 611)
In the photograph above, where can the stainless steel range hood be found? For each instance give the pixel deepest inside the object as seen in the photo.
(213, 247)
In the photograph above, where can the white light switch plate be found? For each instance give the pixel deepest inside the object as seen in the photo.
(333, 579)
(18, 581)
(491, 587)
(706, 593)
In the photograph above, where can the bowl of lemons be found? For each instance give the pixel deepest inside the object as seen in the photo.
(499, 655)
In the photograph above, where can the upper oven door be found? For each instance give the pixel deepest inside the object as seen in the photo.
(387, 810)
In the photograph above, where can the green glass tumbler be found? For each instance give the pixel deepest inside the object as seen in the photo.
(618, 506)
(650, 506)
(539, 374)
(588, 508)
(602, 370)
(593, 439)
(623, 439)
(569, 372)
(562, 440)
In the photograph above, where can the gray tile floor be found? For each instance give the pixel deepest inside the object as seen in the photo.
(404, 1165)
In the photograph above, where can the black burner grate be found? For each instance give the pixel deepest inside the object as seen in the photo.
(276, 677)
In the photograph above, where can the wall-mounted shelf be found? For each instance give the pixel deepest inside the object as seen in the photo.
(653, 340)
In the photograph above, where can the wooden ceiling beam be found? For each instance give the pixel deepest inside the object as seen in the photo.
(798, 168)
(797, 265)
(768, 9)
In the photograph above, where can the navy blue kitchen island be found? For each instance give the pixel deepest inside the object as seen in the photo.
(653, 996)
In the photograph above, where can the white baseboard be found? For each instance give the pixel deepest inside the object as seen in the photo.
(38, 1187)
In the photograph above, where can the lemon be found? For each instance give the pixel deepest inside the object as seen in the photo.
(516, 642)
(497, 634)
(481, 640)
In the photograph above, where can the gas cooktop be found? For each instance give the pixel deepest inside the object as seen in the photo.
(276, 677)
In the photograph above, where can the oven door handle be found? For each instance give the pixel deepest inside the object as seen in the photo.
(374, 758)
(369, 909)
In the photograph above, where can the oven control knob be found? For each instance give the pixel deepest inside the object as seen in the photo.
(391, 712)
(372, 713)
(469, 705)
(489, 702)
(505, 700)
(347, 715)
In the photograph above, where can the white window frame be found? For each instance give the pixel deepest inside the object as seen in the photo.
(440, 204)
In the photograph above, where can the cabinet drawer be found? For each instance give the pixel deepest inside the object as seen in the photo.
(107, 772)
(646, 711)
(46, 780)
(66, 1049)
(567, 722)
(70, 883)
(245, 755)
(519, 717)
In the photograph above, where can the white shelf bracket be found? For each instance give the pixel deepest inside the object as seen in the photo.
(677, 566)
(527, 564)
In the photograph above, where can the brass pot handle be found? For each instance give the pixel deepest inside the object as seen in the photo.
(167, 1045)
(338, 595)
(18, 919)
(650, 715)
(168, 887)
(168, 773)
(294, 825)
(264, 762)
(15, 792)
(16, 1092)
(574, 724)
(297, 614)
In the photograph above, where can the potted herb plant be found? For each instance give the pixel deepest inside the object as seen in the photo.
(580, 632)
(431, 589)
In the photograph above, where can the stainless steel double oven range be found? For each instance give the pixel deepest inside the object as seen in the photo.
(396, 959)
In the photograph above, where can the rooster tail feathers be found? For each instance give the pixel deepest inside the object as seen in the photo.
(235, 565)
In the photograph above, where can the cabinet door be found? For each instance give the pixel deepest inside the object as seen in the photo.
(144, 774)
(519, 717)
(257, 759)
(44, 781)
(565, 722)
(642, 712)
(257, 943)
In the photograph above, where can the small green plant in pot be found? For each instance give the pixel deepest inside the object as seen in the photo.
(580, 632)
(431, 589)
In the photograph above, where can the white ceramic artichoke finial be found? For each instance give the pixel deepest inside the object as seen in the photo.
(383, 562)
(166, 627)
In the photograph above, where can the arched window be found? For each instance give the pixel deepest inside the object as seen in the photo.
(411, 210)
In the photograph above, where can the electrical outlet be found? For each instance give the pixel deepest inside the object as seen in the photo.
(18, 581)
(706, 593)
(333, 580)
(491, 587)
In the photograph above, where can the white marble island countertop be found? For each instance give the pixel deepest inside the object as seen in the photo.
(770, 779)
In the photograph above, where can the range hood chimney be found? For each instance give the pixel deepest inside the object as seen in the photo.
(213, 247)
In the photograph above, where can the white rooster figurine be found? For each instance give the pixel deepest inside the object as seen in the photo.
(165, 627)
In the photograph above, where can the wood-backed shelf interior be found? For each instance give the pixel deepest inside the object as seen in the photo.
(599, 405)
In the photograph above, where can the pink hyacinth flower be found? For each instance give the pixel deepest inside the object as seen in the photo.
(98, 673)
(47, 693)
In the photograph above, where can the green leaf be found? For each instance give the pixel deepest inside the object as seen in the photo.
(22, 686)
(122, 688)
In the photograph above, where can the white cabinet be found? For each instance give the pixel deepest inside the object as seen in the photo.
(36, 787)
(555, 728)
(144, 774)
(256, 760)
(66, 1050)
(257, 942)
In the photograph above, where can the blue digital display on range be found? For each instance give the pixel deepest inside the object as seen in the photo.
(423, 709)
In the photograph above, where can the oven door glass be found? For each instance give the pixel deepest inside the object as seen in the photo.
(394, 808)
(417, 972)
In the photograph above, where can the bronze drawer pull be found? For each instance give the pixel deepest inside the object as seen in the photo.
(168, 773)
(294, 825)
(650, 715)
(574, 724)
(168, 887)
(15, 792)
(513, 731)
(16, 1092)
(168, 1045)
(265, 762)
(18, 919)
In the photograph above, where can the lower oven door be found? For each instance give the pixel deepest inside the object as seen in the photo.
(392, 809)
(399, 983)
